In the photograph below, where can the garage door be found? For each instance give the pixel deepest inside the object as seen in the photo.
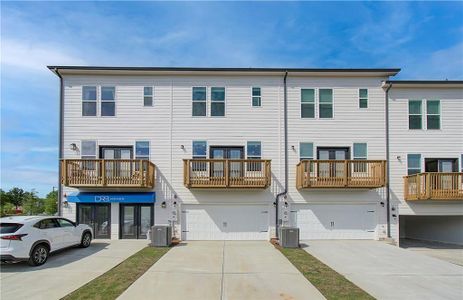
(225, 222)
(335, 221)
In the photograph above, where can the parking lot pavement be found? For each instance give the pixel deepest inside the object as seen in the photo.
(390, 272)
(64, 271)
(219, 270)
(448, 252)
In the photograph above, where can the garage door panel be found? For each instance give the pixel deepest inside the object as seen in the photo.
(225, 222)
(335, 221)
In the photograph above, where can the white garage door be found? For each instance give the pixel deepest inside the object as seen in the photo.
(225, 222)
(356, 221)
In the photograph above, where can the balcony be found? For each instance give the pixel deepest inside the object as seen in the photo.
(362, 174)
(433, 186)
(226, 173)
(117, 173)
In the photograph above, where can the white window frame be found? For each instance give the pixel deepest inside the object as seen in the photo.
(253, 157)
(200, 101)
(421, 162)
(367, 98)
(142, 156)
(359, 157)
(146, 95)
(422, 114)
(89, 101)
(332, 102)
(95, 156)
(300, 152)
(428, 114)
(224, 101)
(108, 101)
(315, 110)
(252, 97)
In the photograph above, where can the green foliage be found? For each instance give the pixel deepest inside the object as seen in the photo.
(51, 203)
(16, 196)
(32, 204)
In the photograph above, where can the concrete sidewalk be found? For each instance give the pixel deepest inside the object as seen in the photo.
(213, 270)
(389, 272)
(65, 271)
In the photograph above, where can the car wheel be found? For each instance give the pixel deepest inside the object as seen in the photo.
(39, 255)
(86, 239)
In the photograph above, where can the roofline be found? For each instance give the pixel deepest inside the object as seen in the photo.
(424, 83)
(81, 69)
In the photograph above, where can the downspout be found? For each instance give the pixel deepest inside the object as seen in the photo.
(388, 193)
(285, 116)
(60, 151)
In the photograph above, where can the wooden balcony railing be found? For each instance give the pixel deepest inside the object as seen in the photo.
(226, 173)
(120, 173)
(433, 186)
(367, 174)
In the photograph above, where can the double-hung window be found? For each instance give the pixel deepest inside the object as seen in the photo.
(308, 103)
(413, 164)
(199, 102)
(254, 151)
(360, 153)
(199, 152)
(108, 101)
(325, 103)
(433, 114)
(88, 151)
(415, 118)
(363, 98)
(306, 153)
(89, 96)
(142, 150)
(217, 101)
(256, 97)
(148, 95)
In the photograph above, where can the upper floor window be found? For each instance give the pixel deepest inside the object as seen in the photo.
(254, 150)
(217, 101)
(307, 103)
(413, 164)
(142, 150)
(89, 101)
(325, 103)
(88, 149)
(360, 150)
(256, 97)
(148, 96)
(199, 149)
(433, 114)
(305, 151)
(199, 102)
(108, 101)
(363, 98)
(414, 114)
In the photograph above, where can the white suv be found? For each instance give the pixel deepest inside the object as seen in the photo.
(32, 238)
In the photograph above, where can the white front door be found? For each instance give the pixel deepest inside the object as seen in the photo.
(225, 222)
(333, 221)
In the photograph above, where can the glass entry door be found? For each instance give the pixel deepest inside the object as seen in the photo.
(97, 216)
(136, 220)
(117, 169)
(332, 169)
(227, 152)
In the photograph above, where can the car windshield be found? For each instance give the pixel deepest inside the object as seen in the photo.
(9, 227)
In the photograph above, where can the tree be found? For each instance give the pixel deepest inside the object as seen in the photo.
(6, 207)
(32, 205)
(16, 196)
(51, 202)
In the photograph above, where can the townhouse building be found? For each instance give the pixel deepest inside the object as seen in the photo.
(235, 153)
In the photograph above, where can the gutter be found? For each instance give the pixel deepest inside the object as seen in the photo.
(285, 111)
(388, 192)
(60, 151)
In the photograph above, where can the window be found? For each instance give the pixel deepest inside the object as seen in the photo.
(199, 102)
(89, 101)
(254, 151)
(433, 114)
(307, 103)
(414, 114)
(142, 150)
(461, 162)
(88, 150)
(326, 103)
(363, 98)
(46, 224)
(108, 98)
(199, 152)
(413, 164)
(305, 151)
(256, 97)
(217, 102)
(148, 96)
(65, 223)
(360, 150)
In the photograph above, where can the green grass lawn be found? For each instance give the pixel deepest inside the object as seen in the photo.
(114, 282)
(330, 283)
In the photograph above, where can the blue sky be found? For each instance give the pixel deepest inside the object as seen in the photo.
(425, 39)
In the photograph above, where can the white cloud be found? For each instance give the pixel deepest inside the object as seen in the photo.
(35, 56)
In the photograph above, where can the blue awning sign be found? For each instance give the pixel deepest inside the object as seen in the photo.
(146, 197)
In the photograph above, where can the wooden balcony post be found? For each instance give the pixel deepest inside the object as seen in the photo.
(65, 172)
(268, 174)
(428, 185)
(141, 172)
(405, 187)
(346, 173)
(102, 164)
(226, 171)
(307, 166)
(186, 172)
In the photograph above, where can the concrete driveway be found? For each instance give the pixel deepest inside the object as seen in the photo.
(389, 272)
(65, 271)
(222, 270)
